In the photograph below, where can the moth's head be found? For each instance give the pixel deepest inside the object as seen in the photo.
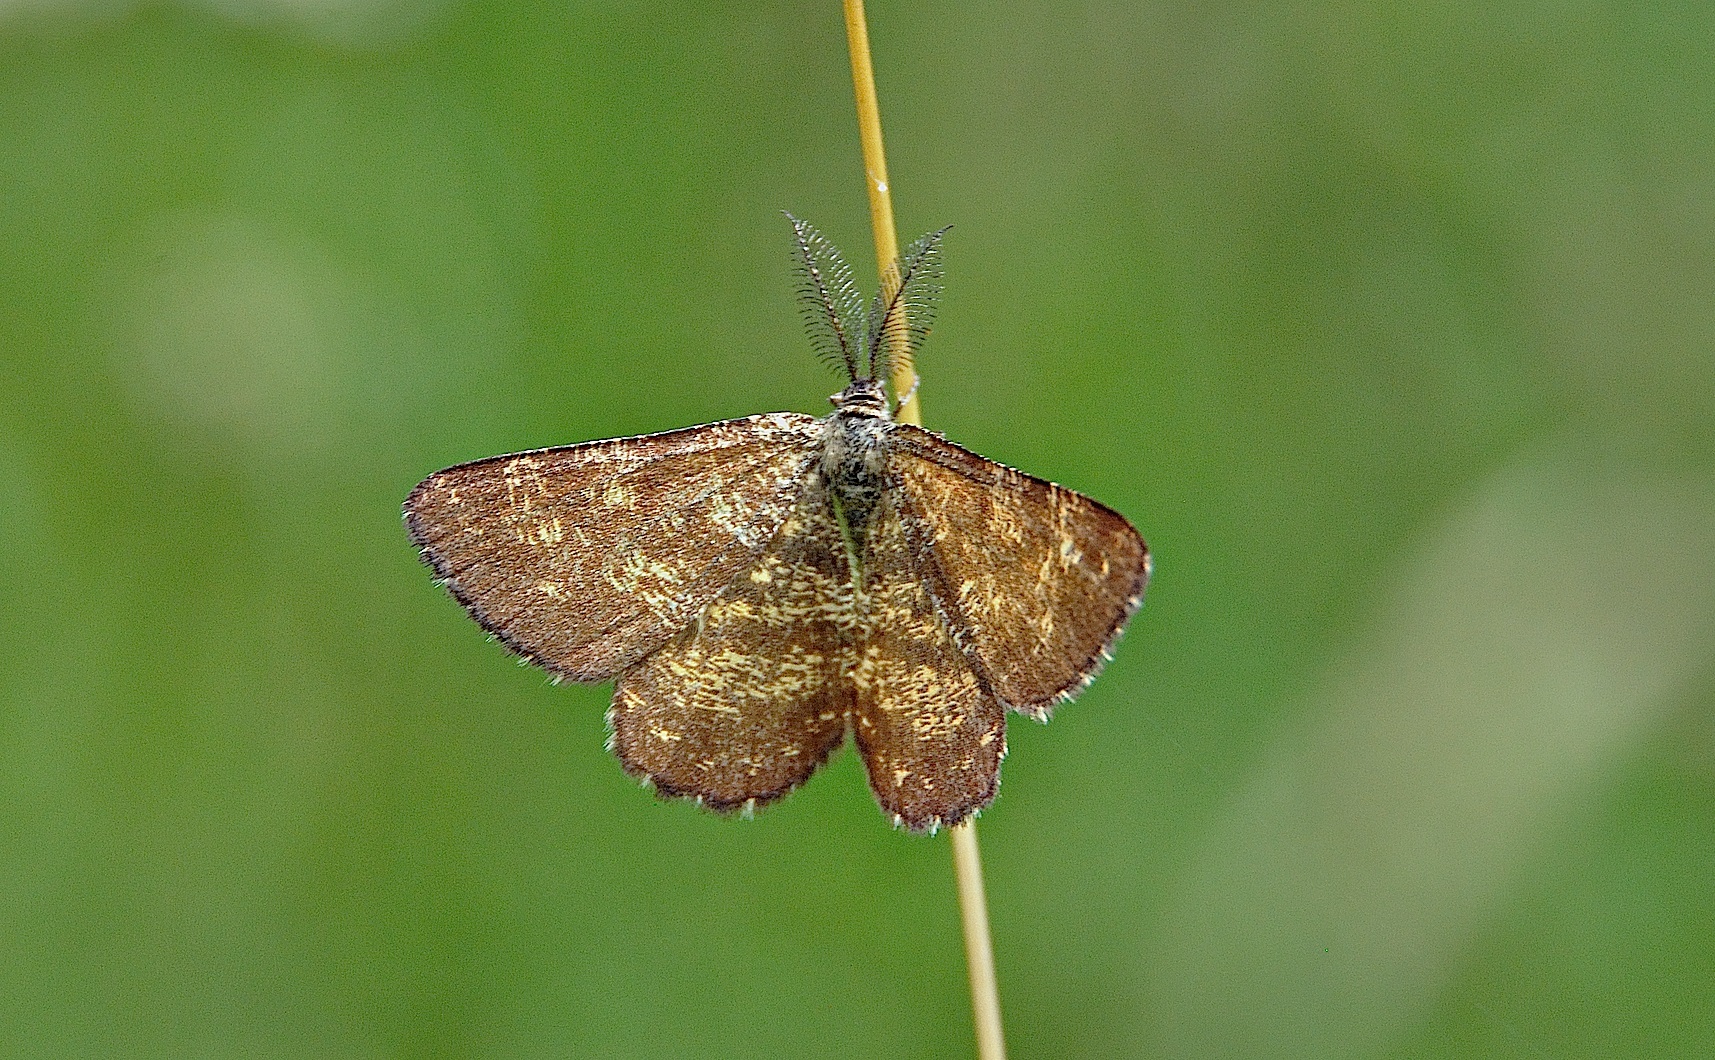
(865, 397)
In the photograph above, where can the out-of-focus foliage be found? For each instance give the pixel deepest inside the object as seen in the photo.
(1390, 325)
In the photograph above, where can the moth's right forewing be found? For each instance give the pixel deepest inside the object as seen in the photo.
(583, 559)
(1035, 581)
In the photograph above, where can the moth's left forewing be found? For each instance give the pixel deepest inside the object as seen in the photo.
(1034, 581)
(585, 558)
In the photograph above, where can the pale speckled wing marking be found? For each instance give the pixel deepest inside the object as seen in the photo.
(745, 704)
(1035, 581)
(585, 558)
(931, 733)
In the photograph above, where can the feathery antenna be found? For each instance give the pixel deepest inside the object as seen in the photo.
(904, 309)
(832, 307)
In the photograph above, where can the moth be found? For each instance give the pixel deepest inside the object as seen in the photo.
(758, 589)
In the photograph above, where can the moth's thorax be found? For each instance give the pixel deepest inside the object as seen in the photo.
(854, 447)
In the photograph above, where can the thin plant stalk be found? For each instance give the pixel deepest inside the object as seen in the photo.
(979, 952)
(902, 374)
(902, 377)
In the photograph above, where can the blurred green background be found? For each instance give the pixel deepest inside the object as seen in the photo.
(1389, 325)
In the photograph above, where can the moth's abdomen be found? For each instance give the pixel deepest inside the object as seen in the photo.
(854, 463)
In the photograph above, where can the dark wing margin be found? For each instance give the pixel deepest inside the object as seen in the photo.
(1035, 582)
(583, 559)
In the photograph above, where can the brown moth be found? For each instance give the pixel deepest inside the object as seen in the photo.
(761, 587)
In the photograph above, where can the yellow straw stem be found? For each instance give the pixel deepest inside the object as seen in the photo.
(902, 377)
(979, 951)
(902, 374)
